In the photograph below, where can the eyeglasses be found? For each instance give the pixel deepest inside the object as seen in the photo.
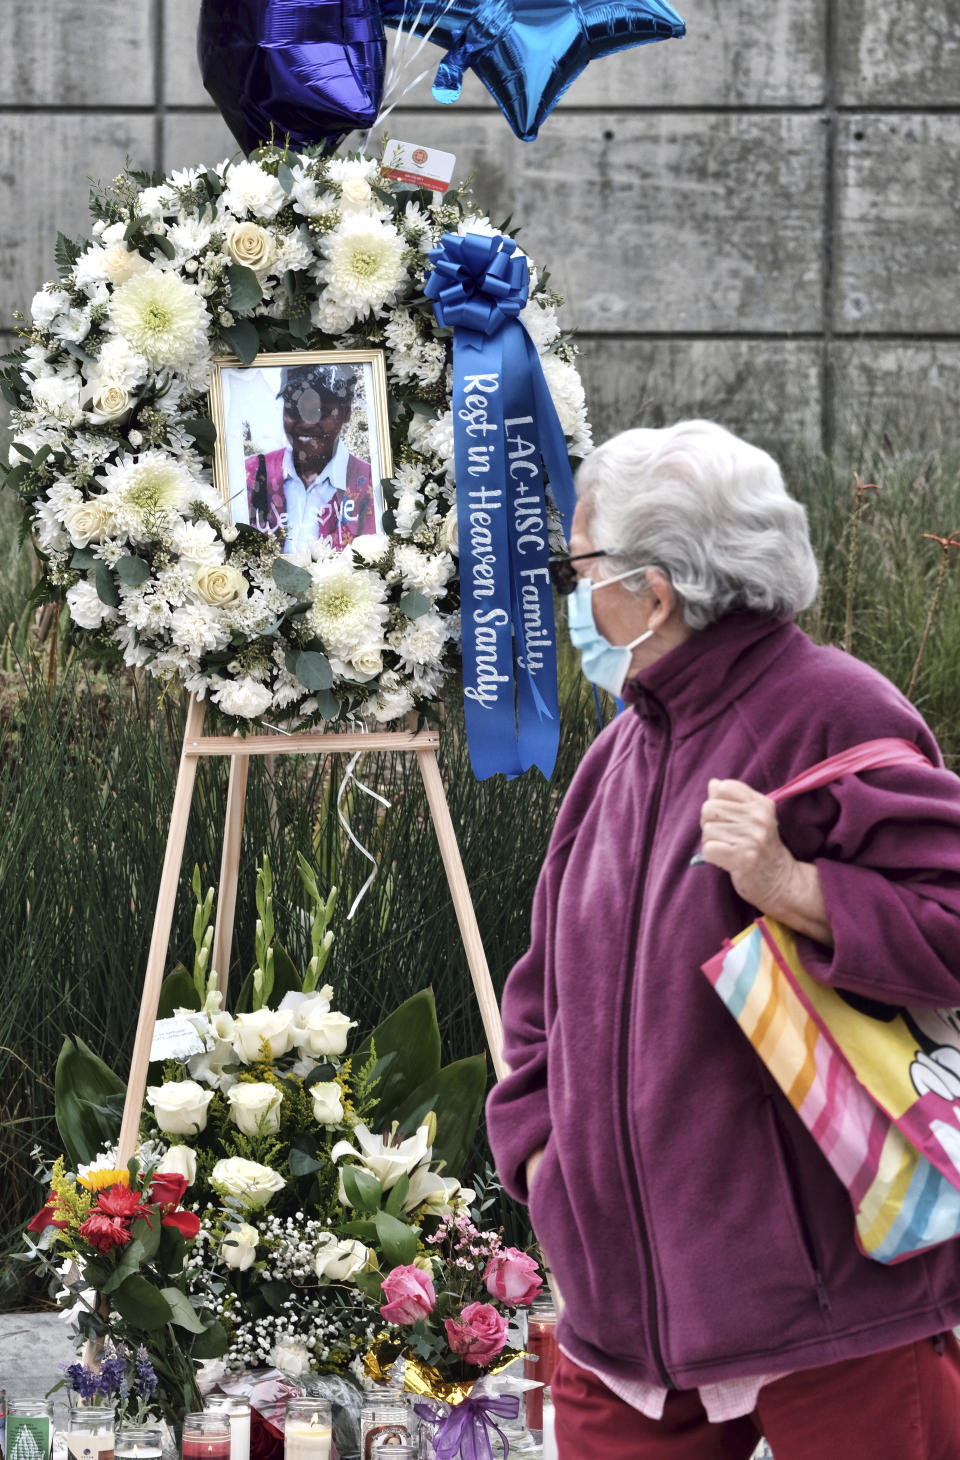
(563, 574)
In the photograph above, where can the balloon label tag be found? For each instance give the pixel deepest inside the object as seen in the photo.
(425, 167)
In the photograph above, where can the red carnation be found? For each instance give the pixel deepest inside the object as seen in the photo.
(120, 1201)
(104, 1233)
(187, 1223)
(167, 1188)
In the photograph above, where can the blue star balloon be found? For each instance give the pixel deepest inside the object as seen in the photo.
(310, 68)
(527, 52)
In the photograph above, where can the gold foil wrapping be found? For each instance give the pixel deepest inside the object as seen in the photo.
(420, 1378)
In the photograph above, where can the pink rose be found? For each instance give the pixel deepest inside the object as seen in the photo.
(479, 1334)
(513, 1278)
(409, 1294)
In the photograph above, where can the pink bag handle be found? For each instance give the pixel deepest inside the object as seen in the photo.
(870, 755)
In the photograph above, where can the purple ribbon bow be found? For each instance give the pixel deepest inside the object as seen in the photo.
(465, 1431)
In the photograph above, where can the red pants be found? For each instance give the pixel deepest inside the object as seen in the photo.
(903, 1404)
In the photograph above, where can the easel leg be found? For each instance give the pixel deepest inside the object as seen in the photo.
(466, 917)
(229, 870)
(156, 960)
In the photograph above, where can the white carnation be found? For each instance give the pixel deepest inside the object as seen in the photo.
(244, 698)
(59, 396)
(421, 641)
(567, 394)
(251, 190)
(47, 304)
(86, 609)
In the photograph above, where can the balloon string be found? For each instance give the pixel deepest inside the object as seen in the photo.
(350, 775)
(399, 63)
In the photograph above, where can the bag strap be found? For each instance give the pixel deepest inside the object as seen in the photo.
(870, 755)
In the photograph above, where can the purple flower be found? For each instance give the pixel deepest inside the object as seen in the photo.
(83, 1381)
(145, 1382)
(112, 1376)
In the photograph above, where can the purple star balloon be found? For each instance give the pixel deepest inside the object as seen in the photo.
(310, 68)
(527, 52)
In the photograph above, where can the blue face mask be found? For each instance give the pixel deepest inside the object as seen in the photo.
(606, 665)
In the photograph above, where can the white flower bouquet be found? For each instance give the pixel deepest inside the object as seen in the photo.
(113, 442)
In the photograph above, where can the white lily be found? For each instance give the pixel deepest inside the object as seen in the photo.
(384, 1156)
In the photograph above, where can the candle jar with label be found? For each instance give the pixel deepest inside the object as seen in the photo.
(307, 1429)
(90, 1432)
(138, 1442)
(237, 1411)
(542, 1344)
(206, 1437)
(29, 1429)
(385, 1423)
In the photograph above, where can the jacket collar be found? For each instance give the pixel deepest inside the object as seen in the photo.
(704, 675)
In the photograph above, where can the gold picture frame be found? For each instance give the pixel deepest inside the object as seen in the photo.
(272, 439)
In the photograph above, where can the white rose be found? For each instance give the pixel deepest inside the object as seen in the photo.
(340, 1260)
(109, 402)
(219, 584)
(85, 606)
(383, 1160)
(251, 1029)
(291, 1357)
(250, 245)
(87, 521)
(356, 192)
(243, 698)
(120, 263)
(255, 1108)
(180, 1106)
(327, 1103)
(450, 534)
(182, 1161)
(239, 1247)
(250, 1182)
(321, 1031)
(366, 664)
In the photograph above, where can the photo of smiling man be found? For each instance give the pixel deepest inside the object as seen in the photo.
(314, 486)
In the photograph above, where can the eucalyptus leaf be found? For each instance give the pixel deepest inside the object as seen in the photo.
(285, 177)
(132, 570)
(313, 670)
(82, 558)
(243, 340)
(414, 604)
(290, 577)
(245, 290)
(106, 588)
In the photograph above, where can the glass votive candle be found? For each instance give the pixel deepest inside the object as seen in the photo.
(542, 1343)
(237, 1411)
(206, 1437)
(307, 1429)
(31, 1418)
(138, 1442)
(90, 1431)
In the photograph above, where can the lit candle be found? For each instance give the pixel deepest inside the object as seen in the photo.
(138, 1442)
(237, 1411)
(206, 1437)
(308, 1429)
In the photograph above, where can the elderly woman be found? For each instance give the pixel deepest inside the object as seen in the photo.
(703, 1246)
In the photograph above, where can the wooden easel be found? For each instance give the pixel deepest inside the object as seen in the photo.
(423, 744)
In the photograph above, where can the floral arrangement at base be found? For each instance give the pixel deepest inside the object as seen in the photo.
(113, 441)
(305, 1182)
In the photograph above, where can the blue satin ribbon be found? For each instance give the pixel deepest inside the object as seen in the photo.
(506, 431)
(465, 1431)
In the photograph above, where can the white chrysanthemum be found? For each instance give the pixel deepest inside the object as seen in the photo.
(392, 699)
(364, 264)
(348, 609)
(190, 235)
(421, 641)
(292, 252)
(425, 572)
(372, 547)
(145, 494)
(161, 317)
(72, 325)
(542, 324)
(197, 629)
(251, 190)
(344, 169)
(567, 394)
(154, 202)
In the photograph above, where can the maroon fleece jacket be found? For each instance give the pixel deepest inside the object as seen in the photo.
(695, 1229)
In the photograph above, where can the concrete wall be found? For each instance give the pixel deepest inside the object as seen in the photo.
(761, 222)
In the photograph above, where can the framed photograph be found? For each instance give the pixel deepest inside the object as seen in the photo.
(303, 443)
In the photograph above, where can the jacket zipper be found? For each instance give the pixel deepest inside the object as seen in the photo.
(625, 1018)
(785, 1143)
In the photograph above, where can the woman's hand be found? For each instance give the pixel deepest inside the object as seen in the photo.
(739, 833)
(532, 1163)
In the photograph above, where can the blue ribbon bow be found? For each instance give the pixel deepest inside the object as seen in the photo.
(465, 1431)
(506, 431)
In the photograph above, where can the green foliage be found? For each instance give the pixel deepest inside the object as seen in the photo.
(89, 1101)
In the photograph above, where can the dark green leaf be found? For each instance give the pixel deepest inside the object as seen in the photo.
(414, 604)
(369, 1284)
(275, 1294)
(82, 1085)
(327, 704)
(363, 1228)
(178, 991)
(411, 1036)
(290, 577)
(245, 291)
(313, 670)
(363, 1190)
(389, 522)
(82, 558)
(148, 1235)
(132, 570)
(77, 351)
(397, 1195)
(130, 1260)
(300, 327)
(204, 432)
(399, 1242)
(212, 1343)
(285, 177)
(106, 588)
(455, 1094)
(67, 251)
(163, 245)
(214, 182)
(141, 1304)
(182, 1311)
(243, 340)
(171, 1251)
(300, 1163)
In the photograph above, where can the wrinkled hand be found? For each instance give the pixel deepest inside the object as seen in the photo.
(739, 834)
